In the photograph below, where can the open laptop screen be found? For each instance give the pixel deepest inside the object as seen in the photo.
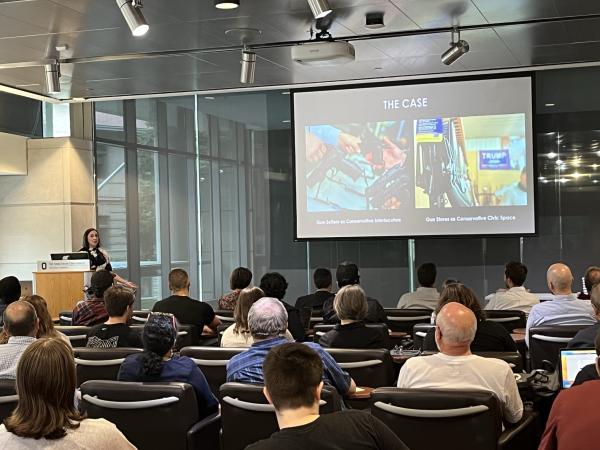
(572, 361)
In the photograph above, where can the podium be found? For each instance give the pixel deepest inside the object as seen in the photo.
(61, 283)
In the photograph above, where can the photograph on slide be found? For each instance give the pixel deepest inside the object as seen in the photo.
(359, 166)
(470, 161)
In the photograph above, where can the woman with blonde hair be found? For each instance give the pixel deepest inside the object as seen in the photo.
(46, 417)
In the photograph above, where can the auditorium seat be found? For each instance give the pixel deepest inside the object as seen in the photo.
(323, 328)
(225, 315)
(65, 318)
(405, 319)
(8, 398)
(140, 316)
(76, 334)
(212, 361)
(316, 316)
(186, 335)
(546, 341)
(152, 415)
(419, 332)
(508, 319)
(514, 359)
(247, 417)
(368, 367)
(100, 363)
(426, 419)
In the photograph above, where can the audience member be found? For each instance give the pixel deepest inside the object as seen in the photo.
(591, 278)
(456, 368)
(46, 417)
(323, 283)
(157, 362)
(587, 336)
(489, 337)
(515, 297)
(293, 384)
(347, 274)
(187, 310)
(274, 285)
(426, 296)
(564, 308)
(240, 279)
(92, 311)
(267, 321)
(589, 372)
(350, 305)
(10, 291)
(46, 325)
(573, 420)
(21, 324)
(115, 332)
(448, 281)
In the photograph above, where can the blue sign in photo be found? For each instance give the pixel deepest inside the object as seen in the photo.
(494, 159)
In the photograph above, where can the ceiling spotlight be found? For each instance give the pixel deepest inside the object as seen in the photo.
(227, 4)
(132, 13)
(456, 50)
(552, 155)
(319, 8)
(52, 78)
(248, 66)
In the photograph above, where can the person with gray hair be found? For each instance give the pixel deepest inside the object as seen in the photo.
(456, 368)
(21, 324)
(267, 321)
(564, 308)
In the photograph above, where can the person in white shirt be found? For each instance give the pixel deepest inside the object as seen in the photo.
(456, 368)
(426, 296)
(564, 308)
(515, 297)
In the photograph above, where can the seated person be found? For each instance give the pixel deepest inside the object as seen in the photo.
(240, 279)
(46, 416)
(92, 311)
(573, 420)
(323, 283)
(187, 310)
(456, 368)
(564, 308)
(238, 334)
(10, 291)
(350, 306)
(586, 337)
(515, 297)
(45, 323)
(347, 274)
(490, 336)
(590, 278)
(274, 285)
(293, 384)
(267, 321)
(157, 362)
(426, 296)
(21, 325)
(115, 332)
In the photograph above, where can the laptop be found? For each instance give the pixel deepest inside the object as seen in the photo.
(72, 255)
(572, 360)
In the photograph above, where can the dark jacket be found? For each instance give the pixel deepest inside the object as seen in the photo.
(315, 300)
(356, 335)
(585, 338)
(375, 313)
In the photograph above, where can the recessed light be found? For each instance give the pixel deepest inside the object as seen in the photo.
(595, 181)
(227, 4)
(286, 121)
(209, 97)
(285, 93)
(559, 162)
(550, 104)
(552, 155)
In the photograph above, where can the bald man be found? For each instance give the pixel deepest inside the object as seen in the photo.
(456, 368)
(564, 308)
(21, 324)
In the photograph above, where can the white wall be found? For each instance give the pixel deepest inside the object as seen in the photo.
(13, 154)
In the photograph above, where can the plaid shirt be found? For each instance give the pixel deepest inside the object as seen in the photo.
(247, 367)
(90, 312)
(10, 354)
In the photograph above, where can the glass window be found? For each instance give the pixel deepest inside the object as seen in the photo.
(206, 230)
(181, 199)
(57, 120)
(227, 139)
(230, 221)
(180, 124)
(149, 207)
(109, 121)
(146, 122)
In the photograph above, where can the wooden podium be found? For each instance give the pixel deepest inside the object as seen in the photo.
(62, 289)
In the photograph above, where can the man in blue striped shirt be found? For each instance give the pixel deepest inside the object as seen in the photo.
(267, 321)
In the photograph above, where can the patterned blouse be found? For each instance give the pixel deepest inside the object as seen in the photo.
(228, 301)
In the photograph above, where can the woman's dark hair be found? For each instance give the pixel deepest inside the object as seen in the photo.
(273, 285)
(458, 292)
(240, 278)
(86, 245)
(158, 338)
(10, 289)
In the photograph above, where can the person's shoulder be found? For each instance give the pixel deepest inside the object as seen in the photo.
(100, 432)
(493, 364)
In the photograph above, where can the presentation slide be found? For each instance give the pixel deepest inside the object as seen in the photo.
(436, 159)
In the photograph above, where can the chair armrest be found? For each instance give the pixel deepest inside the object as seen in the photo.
(205, 434)
(510, 433)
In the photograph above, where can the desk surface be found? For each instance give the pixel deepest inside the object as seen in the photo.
(517, 337)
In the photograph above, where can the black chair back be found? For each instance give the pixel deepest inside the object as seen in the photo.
(514, 359)
(428, 418)
(8, 398)
(212, 361)
(140, 316)
(545, 343)
(405, 319)
(225, 315)
(419, 332)
(65, 318)
(368, 367)
(245, 404)
(76, 334)
(100, 363)
(508, 319)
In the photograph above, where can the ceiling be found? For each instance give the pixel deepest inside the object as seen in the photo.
(30, 30)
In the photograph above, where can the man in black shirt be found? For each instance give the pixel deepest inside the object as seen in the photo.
(293, 381)
(323, 283)
(187, 310)
(115, 332)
